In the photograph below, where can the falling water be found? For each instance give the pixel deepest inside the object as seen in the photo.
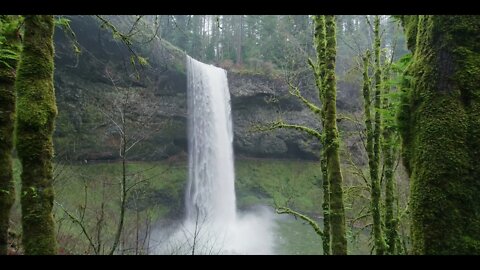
(211, 189)
(212, 224)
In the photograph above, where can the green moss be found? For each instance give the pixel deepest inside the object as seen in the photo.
(335, 179)
(9, 43)
(441, 136)
(389, 152)
(403, 121)
(374, 155)
(36, 112)
(410, 25)
(7, 198)
(320, 72)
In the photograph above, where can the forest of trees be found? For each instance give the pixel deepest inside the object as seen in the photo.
(418, 77)
(255, 40)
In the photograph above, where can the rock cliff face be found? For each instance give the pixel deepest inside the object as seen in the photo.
(259, 99)
(84, 84)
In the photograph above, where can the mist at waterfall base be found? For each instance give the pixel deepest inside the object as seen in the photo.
(212, 224)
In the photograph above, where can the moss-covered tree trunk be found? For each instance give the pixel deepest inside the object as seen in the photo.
(389, 151)
(332, 140)
(319, 41)
(440, 126)
(390, 220)
(374, 157)
(8, 64)
(36, 112)
(325, 206)
(367, 110)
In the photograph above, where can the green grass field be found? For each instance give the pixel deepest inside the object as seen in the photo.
(90, 194)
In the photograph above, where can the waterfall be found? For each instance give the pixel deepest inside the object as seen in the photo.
(211, 189)
(212, 224)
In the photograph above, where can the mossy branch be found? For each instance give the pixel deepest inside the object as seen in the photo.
(280, 124)
(286, 210)
(127, 40)
(295, 91)
(318, 76)
(312, 65)
(341, 117)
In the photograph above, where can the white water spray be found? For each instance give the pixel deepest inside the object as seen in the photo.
(212, 225)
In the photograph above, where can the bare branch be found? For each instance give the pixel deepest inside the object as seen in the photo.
(113, 121)
(130, 33)
(148, 179)
(75, 220)
(342, 116)
(357, 171)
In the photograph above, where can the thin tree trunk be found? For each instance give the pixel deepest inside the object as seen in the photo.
(319, 40)
(367, 110)
(7, 119)
(375, 165)
(137, 226)
(389, 150)
(123, 191)
(337, 211)
(239, 40)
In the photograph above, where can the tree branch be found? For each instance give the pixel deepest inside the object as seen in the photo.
(280, 124)
(295, 91)
(286, 210)
(75, 220)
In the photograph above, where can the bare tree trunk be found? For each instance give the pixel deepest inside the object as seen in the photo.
(195, 233)
(239, 32)
(123, 189)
